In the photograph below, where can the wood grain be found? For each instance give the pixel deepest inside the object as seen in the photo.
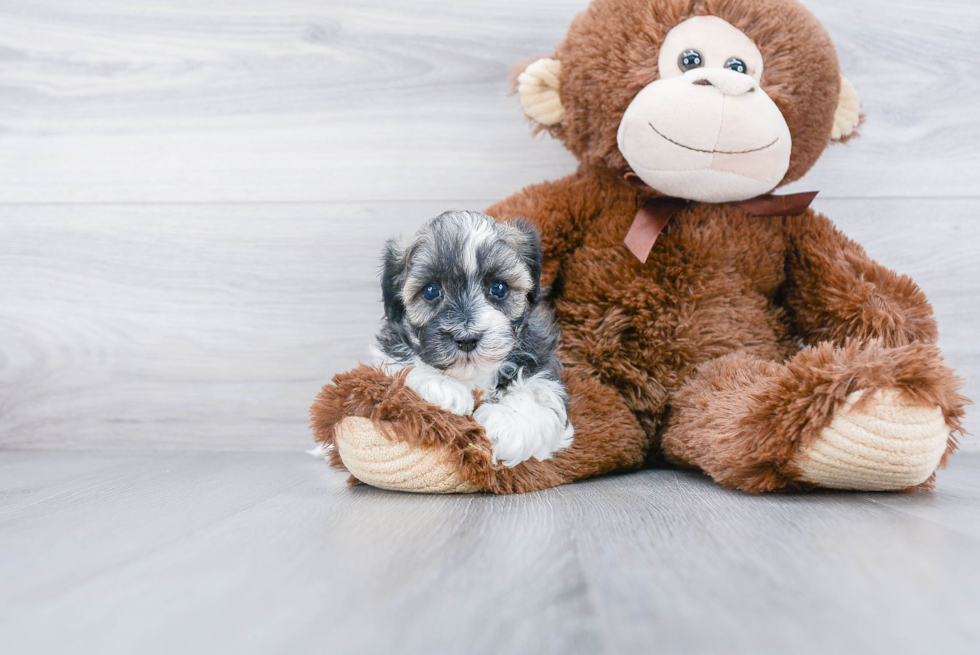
(213, 326)
(272, 553)
(114, 101)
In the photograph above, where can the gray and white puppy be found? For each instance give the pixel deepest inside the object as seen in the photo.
(463, 308)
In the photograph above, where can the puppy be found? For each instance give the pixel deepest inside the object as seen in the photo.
(463, 308)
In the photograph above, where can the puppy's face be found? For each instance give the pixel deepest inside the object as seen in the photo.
(463, 287)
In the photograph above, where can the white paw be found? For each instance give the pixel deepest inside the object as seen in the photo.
(449, 394)
(530, 421)
(886, 444)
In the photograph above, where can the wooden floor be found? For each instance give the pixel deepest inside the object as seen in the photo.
(273, 553)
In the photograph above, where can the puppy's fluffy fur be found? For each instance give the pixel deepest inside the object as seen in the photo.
(463, 308)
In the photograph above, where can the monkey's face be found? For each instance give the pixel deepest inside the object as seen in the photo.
(714, 100)
(706, 130)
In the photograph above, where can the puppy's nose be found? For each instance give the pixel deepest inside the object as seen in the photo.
(467, 344)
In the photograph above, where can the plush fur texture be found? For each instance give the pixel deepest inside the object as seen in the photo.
(742, 419)
(741, 337)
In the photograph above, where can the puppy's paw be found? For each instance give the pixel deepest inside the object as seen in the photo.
(520, 435)
(449, 394)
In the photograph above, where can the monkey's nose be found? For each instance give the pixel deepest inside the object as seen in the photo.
(727, 81)
(467, 344)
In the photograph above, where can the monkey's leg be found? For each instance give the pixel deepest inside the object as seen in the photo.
(388, 437)
(861, 417)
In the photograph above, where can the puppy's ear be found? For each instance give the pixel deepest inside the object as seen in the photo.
(394, 263)
(527, 242)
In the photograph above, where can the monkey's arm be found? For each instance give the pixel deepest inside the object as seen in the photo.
(559, 210)
(835, 292)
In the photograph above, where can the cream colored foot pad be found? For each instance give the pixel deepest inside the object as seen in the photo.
(393, 465)
(886, 445)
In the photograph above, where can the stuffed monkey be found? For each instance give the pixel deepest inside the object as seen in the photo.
(704, 322)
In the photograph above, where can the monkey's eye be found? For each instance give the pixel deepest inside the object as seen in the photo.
(499, 290)
(690, 60)
(736, 65)
(431, 293)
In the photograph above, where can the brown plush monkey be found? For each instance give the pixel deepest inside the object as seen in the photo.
(702, 320)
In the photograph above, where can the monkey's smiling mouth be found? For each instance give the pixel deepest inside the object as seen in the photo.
(712, 152)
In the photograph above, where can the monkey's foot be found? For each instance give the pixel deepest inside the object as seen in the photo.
(882, 443)
(395, 465)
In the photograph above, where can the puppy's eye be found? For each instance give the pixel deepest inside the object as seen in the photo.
(736, 65)
(689, 60)
(431, 293)
(499, 290)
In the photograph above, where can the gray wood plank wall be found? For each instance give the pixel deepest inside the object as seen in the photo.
(193, 195)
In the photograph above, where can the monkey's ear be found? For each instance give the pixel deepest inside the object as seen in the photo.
(392, 280)
(538, 87)
(848, 115)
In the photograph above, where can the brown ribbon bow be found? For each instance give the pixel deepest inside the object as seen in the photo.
(656, 212)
